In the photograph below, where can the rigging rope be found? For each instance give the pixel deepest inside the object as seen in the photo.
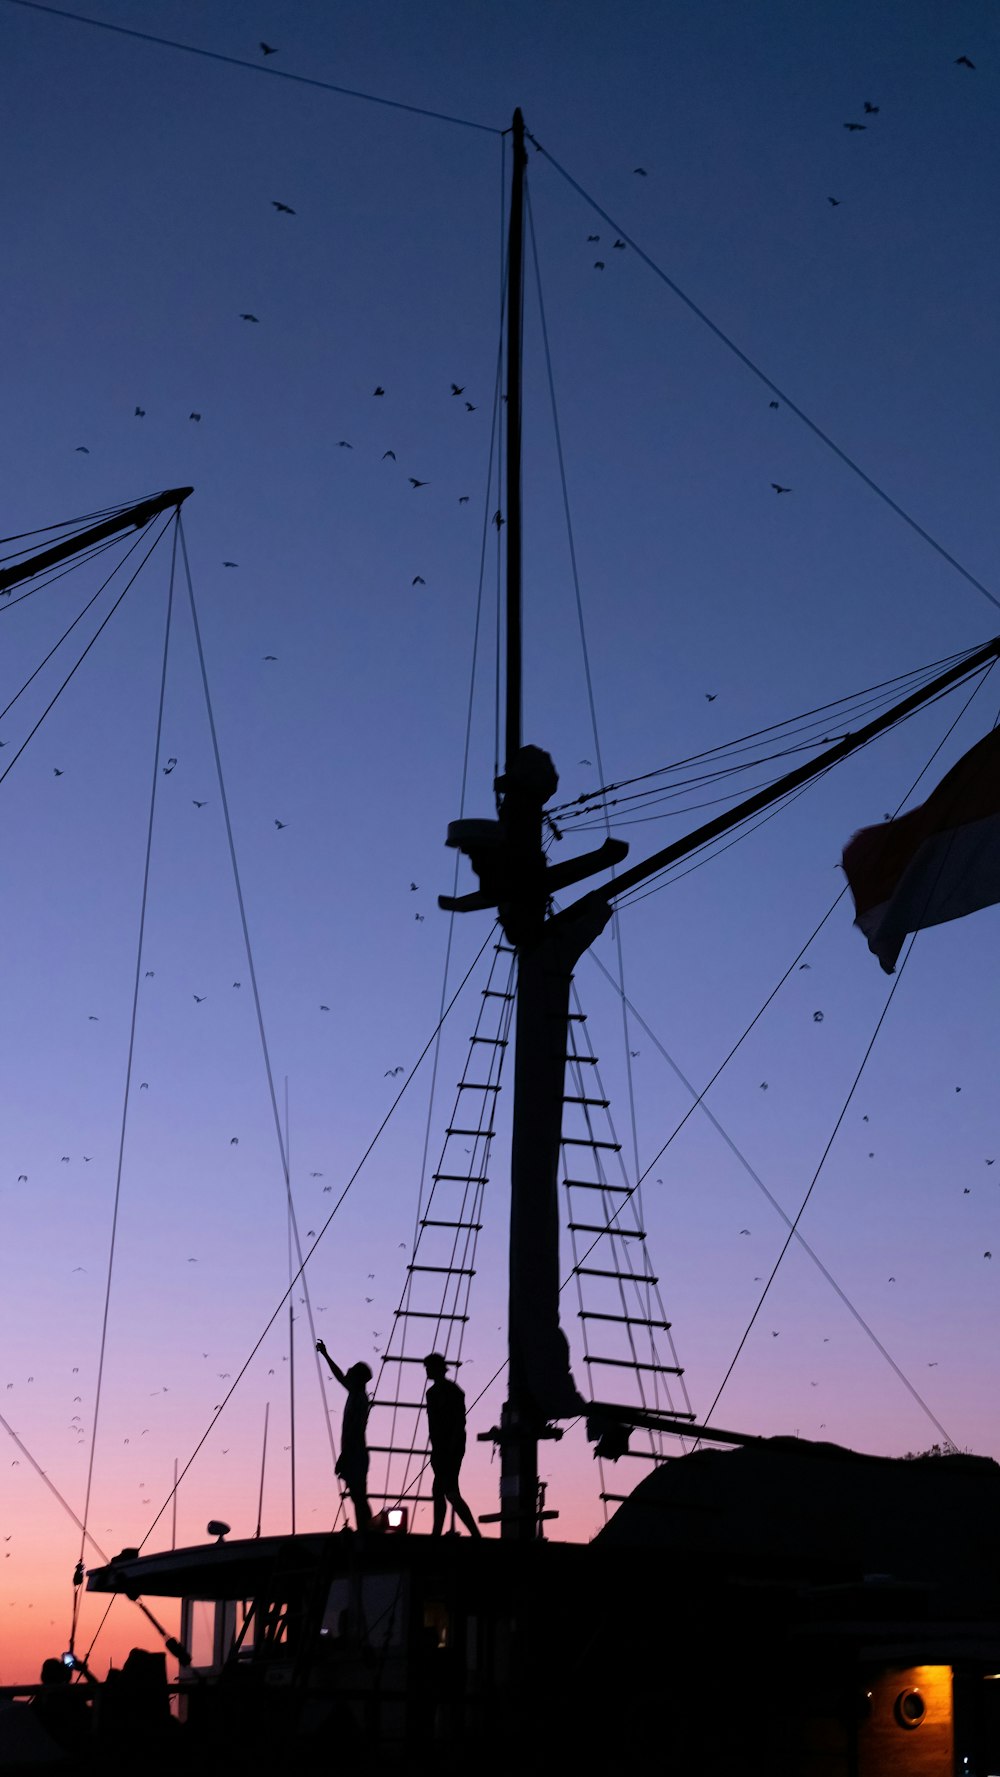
(255, 991)
(698, 1098)
(761, 375)
(211, 55)
(133, 1021)
(588, 675)
(79, 662)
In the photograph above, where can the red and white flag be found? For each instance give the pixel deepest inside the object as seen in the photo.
(937, 862)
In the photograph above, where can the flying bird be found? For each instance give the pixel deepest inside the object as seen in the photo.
(282, 209)
(779, 489)
(418, 580)
(82, 449)
(342, 444)
(463, 499)
(870, 109)
(598, 265)
(280, 824)
(619, 246)
(415, 483)
(197, 803)
(194, 416)
(710, 696)
(593, 237)
(388, 453)
(772, 404)
(457, 389)
(391, 1072)
(230, 564)
(963, 62)
(855, 126)
(470, 407)
(413, 889)
(379, 390)
(56, 771)
(834, 201)
(641, 172)
(253, 318)
(140, 413)
(269, 657)
(199, 997)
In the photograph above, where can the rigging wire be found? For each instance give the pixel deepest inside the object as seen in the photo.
(212, 55)
(8, 768)
(494, 452)
(849, 709)
(72, 526)
(698, 1098)
(133, 1022)
(761, 375)
(41, 585)
(248, 947)
(588, 675)
(323, 1230)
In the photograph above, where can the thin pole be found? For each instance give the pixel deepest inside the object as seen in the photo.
(173, 1512)
(263, 1459)
(291, 1312)
(515, 299)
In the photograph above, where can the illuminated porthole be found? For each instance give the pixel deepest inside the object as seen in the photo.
(909, 1709)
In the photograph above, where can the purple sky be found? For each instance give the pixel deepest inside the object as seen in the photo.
(138, 224)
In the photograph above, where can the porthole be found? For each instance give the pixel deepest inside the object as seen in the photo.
(909, 1709)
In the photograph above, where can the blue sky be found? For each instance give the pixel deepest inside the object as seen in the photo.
(138, 224)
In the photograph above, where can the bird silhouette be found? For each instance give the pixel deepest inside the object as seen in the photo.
(388, 453)
(598, 265)
(269, 657)
(710, 696)
(234, 1141)
(282, 209)
(963, 62)
(641, 172)
(56, 772)
(870, 109)
(391, 1072)
(458, 388)
(772, 404)
(197, 803)
(194, 416)
(817, 1017)
(342, 444)
(834, 201)
(418, 580)
(254, 318)
(200, 998)
(779, 489)
(280, 824)
(619, 246)
(268, 49)
(463, 499)
(415, 483)
(230, 564)
(140, 413)
(82, 450)
(593, 237)
(855, 126)
(413, 887)
(469, 407)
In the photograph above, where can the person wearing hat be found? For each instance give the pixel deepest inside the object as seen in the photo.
(352, 1464)
(446, 1431)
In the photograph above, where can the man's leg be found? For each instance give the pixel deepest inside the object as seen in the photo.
(440, 1505)
(462, 1511)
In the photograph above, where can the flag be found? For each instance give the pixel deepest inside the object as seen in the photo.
(937, 862)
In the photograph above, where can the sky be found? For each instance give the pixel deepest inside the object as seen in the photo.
(139, 225)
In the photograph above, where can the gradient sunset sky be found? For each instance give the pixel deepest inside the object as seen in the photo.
(858, 270)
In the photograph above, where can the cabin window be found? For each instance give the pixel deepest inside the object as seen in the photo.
(200, 1636)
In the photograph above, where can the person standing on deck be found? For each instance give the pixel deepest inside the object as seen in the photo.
(352, 1464)
(446, 1430)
